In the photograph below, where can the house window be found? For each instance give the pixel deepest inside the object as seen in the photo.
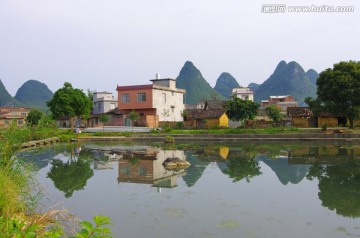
(20, 122)
(6, 122)
(141, 97)
(23, 114)
(164, 97)
(142, 171)
(125, 97)
(125, 170)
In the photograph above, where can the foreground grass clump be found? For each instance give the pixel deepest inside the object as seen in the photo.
(20, 194)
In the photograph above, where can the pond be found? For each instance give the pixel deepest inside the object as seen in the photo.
(230, 190)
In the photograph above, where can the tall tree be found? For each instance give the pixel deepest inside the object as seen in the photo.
(274, 113)
(69, 102)
(241, 110)
(339, 90)
(34, 116)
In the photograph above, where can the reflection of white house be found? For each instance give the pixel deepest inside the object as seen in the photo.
(146, 167)
(243, 93)
(103, 102)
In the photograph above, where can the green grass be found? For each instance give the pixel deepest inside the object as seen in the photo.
(269, 130)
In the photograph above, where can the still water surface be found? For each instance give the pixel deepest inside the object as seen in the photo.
(249, 190)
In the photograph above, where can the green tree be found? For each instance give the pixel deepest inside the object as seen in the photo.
(34, 116)
(103, 119)
(241, 110)
(339, 90)
(69, 102)
(134, 116)
(274, 113)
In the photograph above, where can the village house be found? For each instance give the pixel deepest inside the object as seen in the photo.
(283, 102)
(103, 102)
(213, 115)
(243, 93)
(158, 102)
(304, 117)
(10, 114)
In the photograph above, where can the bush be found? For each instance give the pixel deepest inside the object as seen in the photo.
(324, 127)
(169, 139)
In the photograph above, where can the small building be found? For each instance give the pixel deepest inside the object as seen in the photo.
(301, 117)
(158, 102)
(283, 102)
(243, 93)
(304, 117)
(10, 114)
(213, 115)
(103, 102)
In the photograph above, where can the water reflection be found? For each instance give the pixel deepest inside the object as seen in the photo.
(144, 165)
(335, 168)
(73, 174)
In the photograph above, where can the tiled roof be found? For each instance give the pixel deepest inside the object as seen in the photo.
(299, 112)
(134, 87)
(204, 114)
(116, 111)
(306, 112)
(214, 104)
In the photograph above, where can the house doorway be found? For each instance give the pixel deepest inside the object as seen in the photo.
(127, 122)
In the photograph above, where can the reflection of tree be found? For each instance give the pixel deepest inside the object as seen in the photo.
(70, 176)
(241, 167)
(339, 187)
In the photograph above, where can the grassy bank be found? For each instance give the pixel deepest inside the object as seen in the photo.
(20, 193)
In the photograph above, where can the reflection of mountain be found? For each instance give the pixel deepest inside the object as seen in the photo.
(284, 171)
(195, 171)
(339, 186)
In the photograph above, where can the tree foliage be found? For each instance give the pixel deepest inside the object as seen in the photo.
(274, 113)
(34, 116)
(244, 166)
(339, 187)
(70, 176)
(339, 90)
(69, 102)
(241, 110)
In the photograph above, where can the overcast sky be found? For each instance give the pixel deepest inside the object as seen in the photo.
(99, 44)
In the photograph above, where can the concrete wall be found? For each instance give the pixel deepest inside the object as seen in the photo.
(133, 103)
(169, 104)
(300, 122)
(330, 121)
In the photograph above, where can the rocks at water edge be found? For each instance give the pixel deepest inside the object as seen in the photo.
(175, 163)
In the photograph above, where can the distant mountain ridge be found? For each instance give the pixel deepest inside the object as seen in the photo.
(197, 88)
(6, 100)
(32, 94)
(225, 83)
(288, 79)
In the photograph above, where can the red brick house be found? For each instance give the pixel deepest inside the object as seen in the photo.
(10, 114)
(156, 102)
